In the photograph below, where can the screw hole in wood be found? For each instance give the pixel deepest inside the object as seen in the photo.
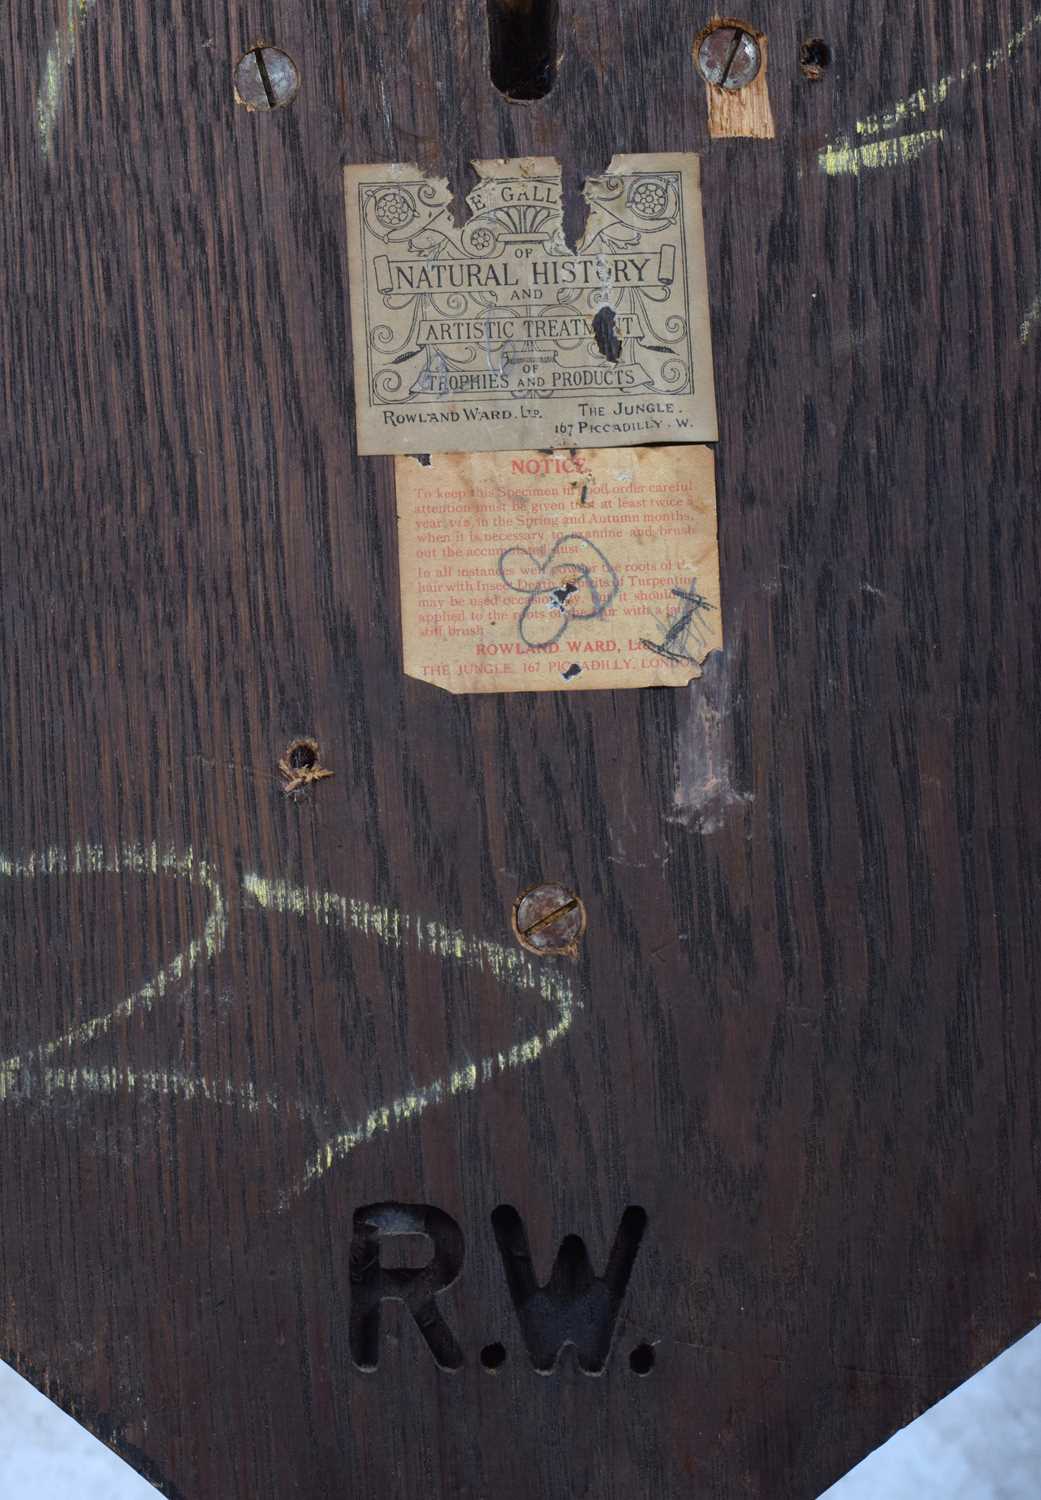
(814, 58)
(303, 755)
(301, 765)
(641, 1360)
(493, 1356)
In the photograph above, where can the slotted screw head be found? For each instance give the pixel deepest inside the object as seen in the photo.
(729, 57)
(266, 78)
(549, 920)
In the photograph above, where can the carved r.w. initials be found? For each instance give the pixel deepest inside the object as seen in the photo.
(575, 1306)
(373, 1282)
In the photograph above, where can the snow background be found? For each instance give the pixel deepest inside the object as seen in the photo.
(982, 1443)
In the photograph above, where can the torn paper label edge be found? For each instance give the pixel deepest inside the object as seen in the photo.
(481, 337)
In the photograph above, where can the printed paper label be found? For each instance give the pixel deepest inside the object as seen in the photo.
(582, 568)
(497, 336)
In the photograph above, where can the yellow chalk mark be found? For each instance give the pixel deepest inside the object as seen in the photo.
(841, 158)
(387, 925)
(897, 115)
(165, 1084)
(59, 57)
(396, 928)
(132, 859)
(846, 160)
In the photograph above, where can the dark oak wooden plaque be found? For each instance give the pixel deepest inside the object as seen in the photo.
(801, 1031)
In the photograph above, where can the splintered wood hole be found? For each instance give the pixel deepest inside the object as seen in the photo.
(301, 765)
(303, 755)
(522, 36)
(814, 58)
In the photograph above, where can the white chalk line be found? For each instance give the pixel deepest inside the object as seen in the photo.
(132, 859)
(164, 1084)
(846, 160)
(935, 94)
(327, 908)
(59, 57)
(842, 158)
(1031, 321)
(396, 928)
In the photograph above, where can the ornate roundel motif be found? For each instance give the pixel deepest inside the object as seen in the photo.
(393, 208)
(649, 199)
(482, 239)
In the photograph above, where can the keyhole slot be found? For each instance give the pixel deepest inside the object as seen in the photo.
(522, 37)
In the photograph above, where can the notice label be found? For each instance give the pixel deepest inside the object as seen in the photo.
(498, 336)
(539, 572)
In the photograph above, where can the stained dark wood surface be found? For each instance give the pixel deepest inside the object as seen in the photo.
(807, 1043)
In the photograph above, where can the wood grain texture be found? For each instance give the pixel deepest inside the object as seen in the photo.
(808, 1039)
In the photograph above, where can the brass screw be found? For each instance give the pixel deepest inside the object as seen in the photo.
(549, 920)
